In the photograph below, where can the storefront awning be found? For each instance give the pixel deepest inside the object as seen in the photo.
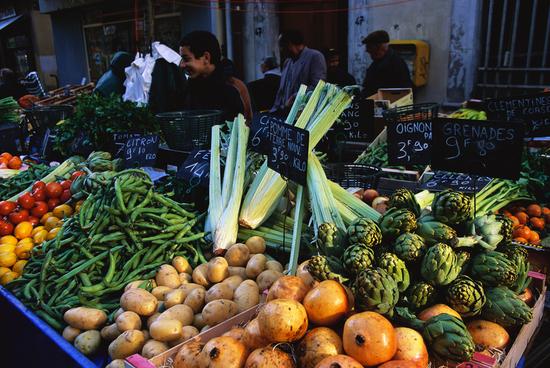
(6, 22)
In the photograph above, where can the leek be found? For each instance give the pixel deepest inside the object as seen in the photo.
(360, 208)
(424, 198)
(214, 186)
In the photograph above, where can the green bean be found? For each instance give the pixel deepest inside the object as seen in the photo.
(85, 265)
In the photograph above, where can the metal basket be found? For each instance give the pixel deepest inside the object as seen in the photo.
(353, 175)
(42, 117)
(423, 111)
(188, 130)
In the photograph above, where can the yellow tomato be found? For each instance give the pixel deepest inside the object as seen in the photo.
(52, 222)
(46, 216)
(7, 248)
(40, 236)
(25, 241)
(62, 211)
(7, 277)
(18, 266)
(23, 251)
(53, 232)
(3, 270)
(23, 230)
(7, 259)
(37, 229)
(8, 239)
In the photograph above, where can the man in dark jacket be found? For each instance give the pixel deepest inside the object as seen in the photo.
(336, 74)
(263, 90)
(208, 86)
(388, 70)
(10, 86)
(113, 80)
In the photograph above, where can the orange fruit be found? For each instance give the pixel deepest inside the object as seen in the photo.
(6, 155)
(534, 238)
(545, 211)
(514, 220)
(15, 163)
(534, 210)
(522, 232)
(522, 217)
(23, 230)
(521, 240)
(3, 163)
(537, 223)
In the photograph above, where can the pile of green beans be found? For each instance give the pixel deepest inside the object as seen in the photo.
(123, 232)
(16, 184)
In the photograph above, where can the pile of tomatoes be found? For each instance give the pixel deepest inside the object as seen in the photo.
(35, 217)
(8, 161)
(530, 222)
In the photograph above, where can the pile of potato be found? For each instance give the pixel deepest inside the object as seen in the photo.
(184, 302)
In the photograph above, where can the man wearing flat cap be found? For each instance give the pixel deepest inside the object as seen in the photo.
(388, 70)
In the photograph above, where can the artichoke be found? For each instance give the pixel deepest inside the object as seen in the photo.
(375, 291)
(441, 265)
(364, 231)
(409, 247)
(357, 258)
(330, 240)
(396, 222)
(421, 295)
(434, 232)
(518, 255)
(325, 268)
(507, 227)
(396, 268)
(488, 228)
(404, 198)
(504, 307)
(493, 268)
(451, 207)
(466, 296)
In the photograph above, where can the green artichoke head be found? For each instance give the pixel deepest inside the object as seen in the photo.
(396, 222)
(466, 296)
(404, 198)
(364, 231)
(451, 207)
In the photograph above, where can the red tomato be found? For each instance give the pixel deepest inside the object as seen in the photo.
(53, 202)
(53, 190)
(39, 185)
(19, 216)
(39, 194)
(7, 207)
(33, 220)
(65, 196)
(39, 209)
(76, 174)
(66, 184)
(5, 228)
(26, 201)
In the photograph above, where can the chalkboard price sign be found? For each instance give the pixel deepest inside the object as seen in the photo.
(196, 168)
(288, 151)
(466, 183)
(259, 129)
(482, 147)
(355, 122)
(409, 142)
(534, 110)
(135, 149)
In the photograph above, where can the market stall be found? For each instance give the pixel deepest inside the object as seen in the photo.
(257, 249)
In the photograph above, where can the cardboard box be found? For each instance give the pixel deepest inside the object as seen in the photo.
(388, 98)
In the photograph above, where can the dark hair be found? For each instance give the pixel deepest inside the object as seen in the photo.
(292, 36)
(7, 75)
(200, 42)
(270, 62)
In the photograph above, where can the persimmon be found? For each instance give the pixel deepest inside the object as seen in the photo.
(522, 217)
(537, 223)
(521, 240)
(15, 163)
(534, 238)
(534, 210)
(514, 220)
(522, 232)
(6, 155)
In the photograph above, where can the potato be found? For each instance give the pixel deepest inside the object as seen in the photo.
(166, 329)
(117, 363)
(255, 265)
(110, 332)
(247, 295)
(185, 278)
(140, 301)
(219, 291)
(118, 312)
(218, 311)
(128, 321)
(195, 299)
(153, 348)
(70, 333)
(85, 318)
(180, 312)
(237, 271)
(127, 343)
(168, 276)
(263, 298)
(160, 292)
(237, 255)
(199, 275)
(217, 270)
(133, 285)
(187, 288)
(181, 264)
(256, 244)
(198, 321)
(88, 342)
(274, 265)
(187, 333)
(267, 278)
(176, 296)
(233, 281)
(152, 319)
